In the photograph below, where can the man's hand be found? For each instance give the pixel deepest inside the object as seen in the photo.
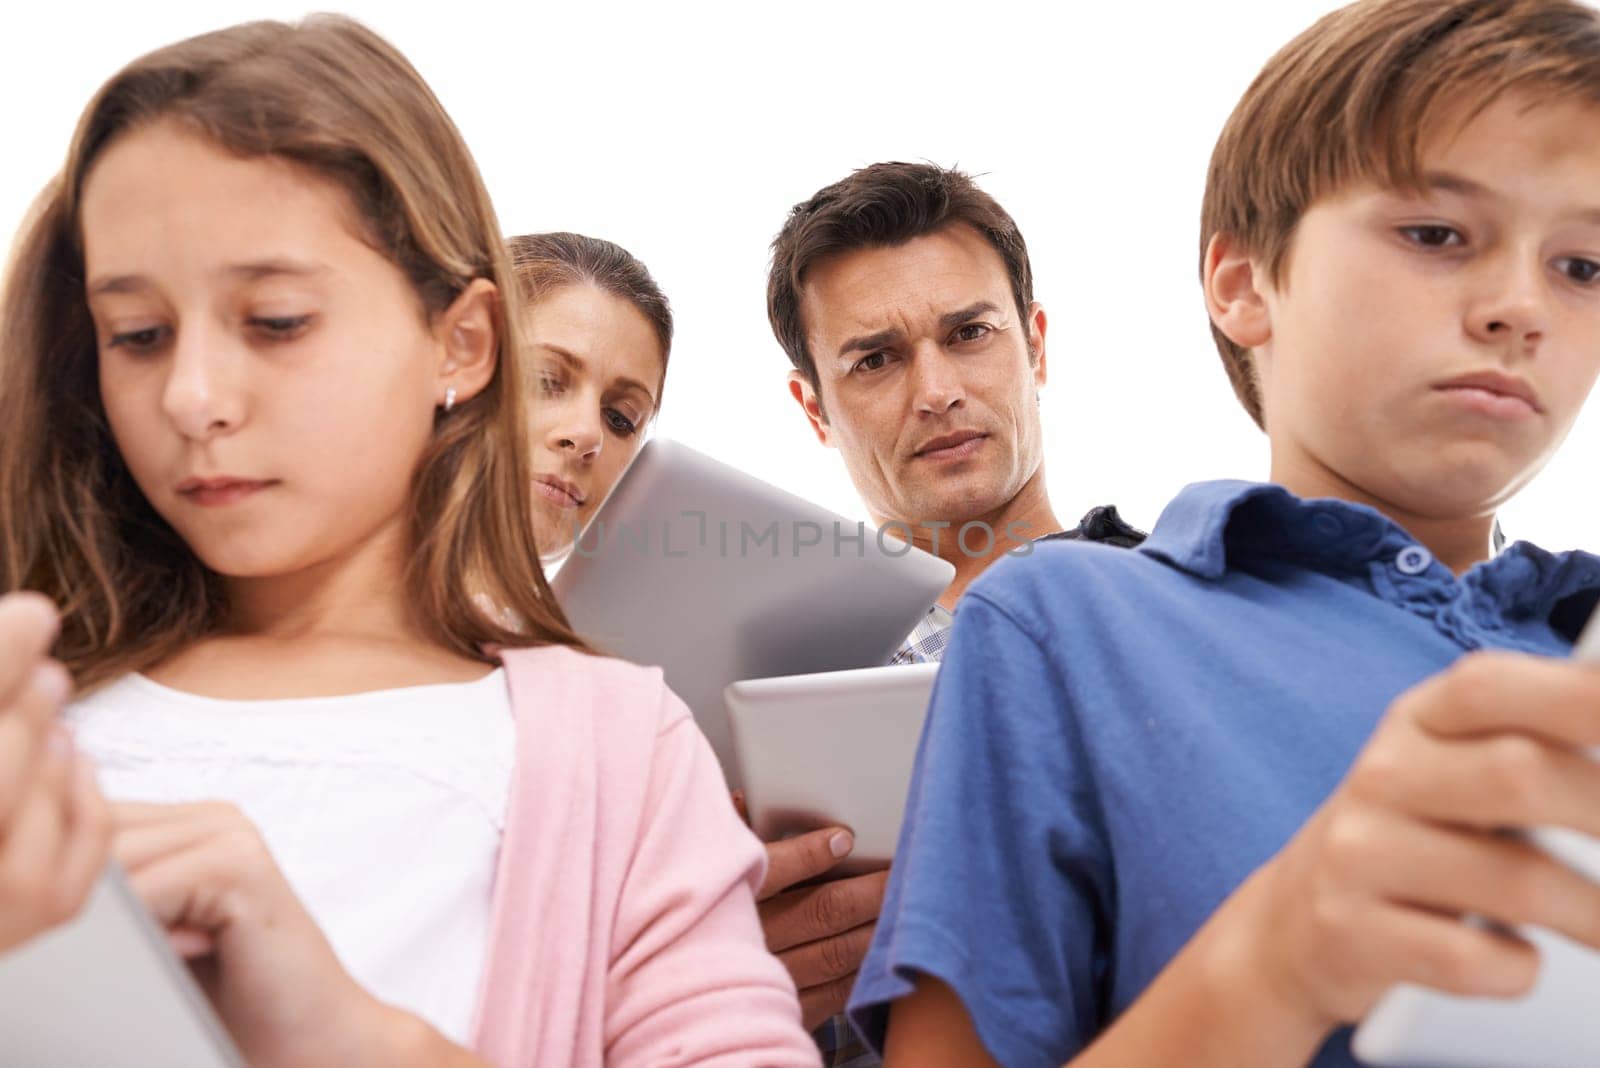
(819, 932)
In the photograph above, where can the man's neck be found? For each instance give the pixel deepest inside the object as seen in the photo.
(1457, 542)
(1014, 524)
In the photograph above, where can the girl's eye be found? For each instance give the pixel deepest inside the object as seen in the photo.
(872, 362)
(620, 423)
(1432, 235)
(1579, 269)
(138, 340)
(280, 327)
(972, 332)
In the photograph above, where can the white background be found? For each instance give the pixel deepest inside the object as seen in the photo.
(686, 131)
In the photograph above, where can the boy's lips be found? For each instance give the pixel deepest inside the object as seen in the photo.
(1494, 393)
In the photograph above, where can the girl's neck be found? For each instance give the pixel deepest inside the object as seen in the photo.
(338, 627)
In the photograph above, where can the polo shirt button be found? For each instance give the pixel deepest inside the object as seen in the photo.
(1328, 525)
(1413, 560)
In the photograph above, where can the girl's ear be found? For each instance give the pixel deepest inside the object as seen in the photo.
(470, 342)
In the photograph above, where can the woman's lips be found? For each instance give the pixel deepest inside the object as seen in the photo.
(556, 494)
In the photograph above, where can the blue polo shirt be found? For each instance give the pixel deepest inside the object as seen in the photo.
(1118, 738)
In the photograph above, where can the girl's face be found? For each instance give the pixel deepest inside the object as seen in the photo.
(597, 368)
(269, 377)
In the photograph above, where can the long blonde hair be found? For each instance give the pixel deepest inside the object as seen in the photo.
(331, 96)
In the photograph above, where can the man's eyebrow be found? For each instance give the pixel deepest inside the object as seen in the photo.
(249, 272)
(868, 342)
(967, 314)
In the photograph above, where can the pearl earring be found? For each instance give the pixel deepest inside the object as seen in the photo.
(449, 398)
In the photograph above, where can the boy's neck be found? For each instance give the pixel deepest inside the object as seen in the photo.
(1028, 513)
(1457, 542)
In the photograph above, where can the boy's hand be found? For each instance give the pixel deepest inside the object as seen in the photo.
(54, 830)
(821, 933)
(1373, 889)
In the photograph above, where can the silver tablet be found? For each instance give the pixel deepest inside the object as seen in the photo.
(106, 989)
(717, 576)
(1553, 1026)
(831, 749)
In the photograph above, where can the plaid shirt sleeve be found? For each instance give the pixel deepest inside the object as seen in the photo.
(841, 1047)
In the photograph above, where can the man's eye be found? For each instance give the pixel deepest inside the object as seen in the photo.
(137, 340)
(1579, 269)
(1433, 236)
(871, 362)
(972, 332)
(620, 423)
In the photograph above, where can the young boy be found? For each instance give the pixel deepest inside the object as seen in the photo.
(1251, 775)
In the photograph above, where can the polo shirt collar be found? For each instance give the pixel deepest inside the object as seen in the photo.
(1210, 521)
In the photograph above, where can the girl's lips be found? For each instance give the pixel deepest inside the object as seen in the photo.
(554, 494)
(218, 492)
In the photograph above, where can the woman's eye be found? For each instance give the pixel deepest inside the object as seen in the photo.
(620, 423)
(1579, 269)
(1432, 235)
(972, 332)
(280, 327)
(549, 385)
(873, 362)
(138, 340)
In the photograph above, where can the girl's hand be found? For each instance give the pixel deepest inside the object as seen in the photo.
(269, 971)
(53, 824)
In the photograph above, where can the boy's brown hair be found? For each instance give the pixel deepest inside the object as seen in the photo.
(1351, 99)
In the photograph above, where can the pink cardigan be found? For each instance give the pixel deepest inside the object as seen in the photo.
(624, 931)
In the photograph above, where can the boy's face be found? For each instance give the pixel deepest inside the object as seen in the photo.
(1427, 353)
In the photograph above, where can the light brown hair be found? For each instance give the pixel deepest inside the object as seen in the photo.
(881, 206)
(545, 263)
(1352, 99)
(332, 97)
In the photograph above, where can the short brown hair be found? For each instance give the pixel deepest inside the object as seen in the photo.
(547, 262)
(1352, 97)
(881, 206)
(328, 95)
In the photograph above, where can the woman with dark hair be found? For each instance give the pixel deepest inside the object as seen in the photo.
(599, 331)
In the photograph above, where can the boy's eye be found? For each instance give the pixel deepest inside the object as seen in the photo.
(1579, 269)
(280, 327)
(619, 422)
(972, 331)
(1433, 236)
(871, 362)
(138, 340)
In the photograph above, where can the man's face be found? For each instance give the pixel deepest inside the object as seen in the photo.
(1429, 351)
(927, 382)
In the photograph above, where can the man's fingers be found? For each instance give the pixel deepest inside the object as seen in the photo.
(28, 626)
(805, 856)
(817, 912)
(1495, 692)
(816, 963)
(820, 1002)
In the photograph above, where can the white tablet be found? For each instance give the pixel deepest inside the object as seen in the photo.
(1555, 1025)
(106, 989)
(831, 749)
(717, 576)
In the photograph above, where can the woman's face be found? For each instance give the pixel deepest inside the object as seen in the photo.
(597, 370)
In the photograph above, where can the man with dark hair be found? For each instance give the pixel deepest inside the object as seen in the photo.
(903, 297)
